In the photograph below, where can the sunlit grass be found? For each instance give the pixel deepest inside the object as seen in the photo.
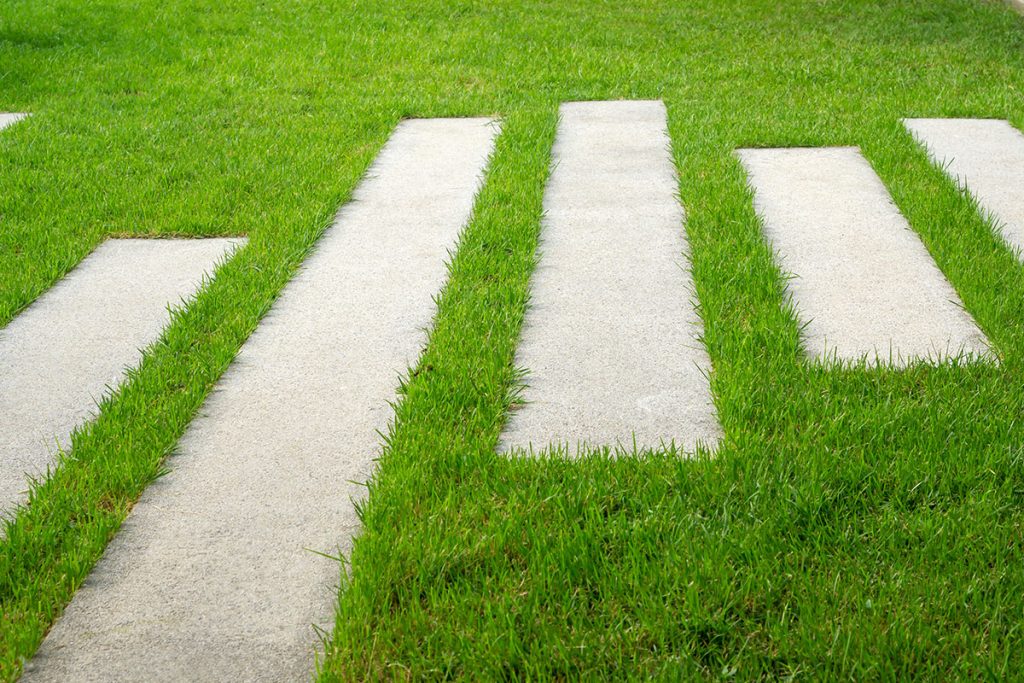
(855, 523)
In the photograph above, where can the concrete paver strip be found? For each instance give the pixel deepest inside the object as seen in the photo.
(59, 357)
(7, 119)
(863, 282)
(216, 573)
(987, 157)
(612, 341)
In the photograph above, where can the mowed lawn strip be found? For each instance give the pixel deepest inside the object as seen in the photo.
(845, 529)
(66, 186)
(253, 495)
(60, 356)
(863, 284)
(854, 523)
(987, 157)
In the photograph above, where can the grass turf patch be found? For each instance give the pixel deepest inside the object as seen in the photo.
(855, 523)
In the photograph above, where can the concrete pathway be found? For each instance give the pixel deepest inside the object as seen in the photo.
(63, 353)
(863, 283)
(611, 341)
(215, 575)
(986, 156)
(10, 119)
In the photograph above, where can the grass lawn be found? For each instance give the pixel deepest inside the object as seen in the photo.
(855, 523)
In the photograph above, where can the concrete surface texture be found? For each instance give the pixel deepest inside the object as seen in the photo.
(611, 340)
(61, 355)
(10, 119)
(216, 574)
(863, 282)
(987, 157)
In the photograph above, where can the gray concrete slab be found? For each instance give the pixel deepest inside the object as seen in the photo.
(611, 341)
(215, 574)
(60, 356)
(863, 283)
(10, 119)
(987, 157)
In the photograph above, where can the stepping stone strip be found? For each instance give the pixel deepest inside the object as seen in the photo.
(63, 353)
(216, 571)
(863, 283)
(987, 157)
(10, 119)
(611, 341)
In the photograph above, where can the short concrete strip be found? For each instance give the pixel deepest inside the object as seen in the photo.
(63, 353)
(216, 573)
(863, 283)
(10, 119)
(987, 157)
(611, 341)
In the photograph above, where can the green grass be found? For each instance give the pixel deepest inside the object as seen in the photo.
(856, 523)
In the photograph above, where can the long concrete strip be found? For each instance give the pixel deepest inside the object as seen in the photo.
(987, 157)
(863, 283)
(10, 119)
(65, 351)
(611, 341)
(216, 574)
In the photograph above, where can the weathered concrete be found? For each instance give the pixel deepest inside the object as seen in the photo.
(61, 355)
(987, 157)
(863, 283)
(10, 119)
(611, 340)
(215, 574)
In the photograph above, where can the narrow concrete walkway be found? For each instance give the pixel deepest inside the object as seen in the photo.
(10, 119)
(63, 353)
(216, 573)
(611, 340)
(863, 282)
(987, 157)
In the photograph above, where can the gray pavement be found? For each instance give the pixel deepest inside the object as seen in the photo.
(62, 354)
(863, 282)
(216, 575)
(7, 119)
(987, 157)
(611, 341)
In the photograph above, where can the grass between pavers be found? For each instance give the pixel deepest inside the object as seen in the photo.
(856, 523)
